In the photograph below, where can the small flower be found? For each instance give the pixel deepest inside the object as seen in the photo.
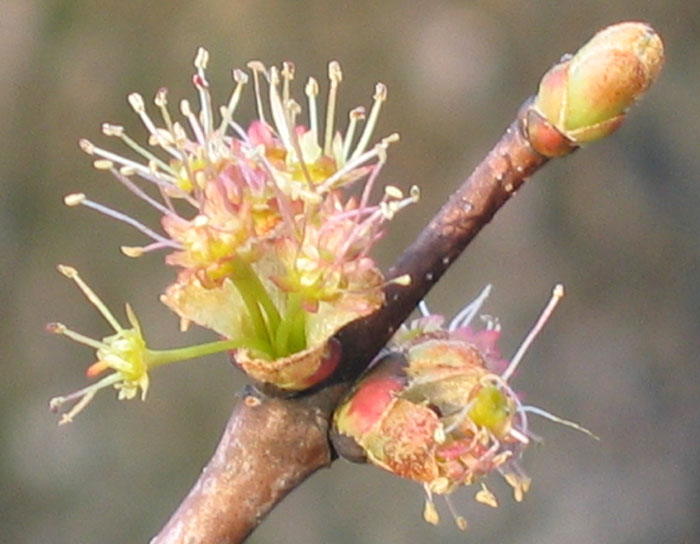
(271, 249)
(438, 408)
(124, 353)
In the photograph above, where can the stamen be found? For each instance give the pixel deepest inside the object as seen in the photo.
(557, 294)
(138, 105)
(257, 66)
(241, 78)
(85, 395)
(161, 101)
(278, 113)
(484, 496)
(311, 91)
(465, 316)
(430, 513)
(287, 77)
(335, 75)
(72, 273)
(460, 521)
(356, 115)
(186, 111)
(200, 82)
(131, 186)
(118, 131)
(357, 162)
(379, 98)
(520, 437)
(79, 198)
(91, 149)
(60, 328)
(557, 419)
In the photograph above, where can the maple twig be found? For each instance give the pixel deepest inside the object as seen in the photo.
(271, 444)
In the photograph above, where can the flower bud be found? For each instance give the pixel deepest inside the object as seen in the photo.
(437, 408)
(584, 97)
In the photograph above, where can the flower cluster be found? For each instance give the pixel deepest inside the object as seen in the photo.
(270, 242)
(438, 408)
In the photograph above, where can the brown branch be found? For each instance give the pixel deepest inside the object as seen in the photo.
(270, 444)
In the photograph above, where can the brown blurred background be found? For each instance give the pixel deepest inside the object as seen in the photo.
(617, 224)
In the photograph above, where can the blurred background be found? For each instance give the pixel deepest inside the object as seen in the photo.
(617, 223)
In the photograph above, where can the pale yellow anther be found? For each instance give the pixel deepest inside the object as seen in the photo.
(520, 485)
(56, 328)
(380, 150)
(393, 192)
(440, 485)
(180, 134)
(335, 74)
(461, 523)
(256, 66)
(414, 193)
(161, 98)
(358, 113)
(391, 139)
(430, 513)
(201, 59)
(109, 129)
(67, 271)
(103, 164)
(239, 76)
(137, 103)
(439, 435)
(132, 251)
(127, 170)
(185, 108)
(484, 496)
(293, 107)
(311, 88)
(380, 92)
(74, 199)
(87, 146)
(288, 70)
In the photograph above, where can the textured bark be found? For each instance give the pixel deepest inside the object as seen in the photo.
(271, 444)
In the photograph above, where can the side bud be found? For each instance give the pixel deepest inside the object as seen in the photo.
(437, 408)
(585, 97)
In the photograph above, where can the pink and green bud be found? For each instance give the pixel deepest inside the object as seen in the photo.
(585, 97)
(438, 409)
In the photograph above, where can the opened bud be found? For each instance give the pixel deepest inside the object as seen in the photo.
(438, 409)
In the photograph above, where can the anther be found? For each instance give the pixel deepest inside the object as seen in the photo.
(185, 108)
(136, 102)
(103, 164)
(74, 199)
(239, 76)
(132, 251)
(201, 59)
(112, 130)
(67, 271)
(87, 146)
(393, 192)
(161, 98)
